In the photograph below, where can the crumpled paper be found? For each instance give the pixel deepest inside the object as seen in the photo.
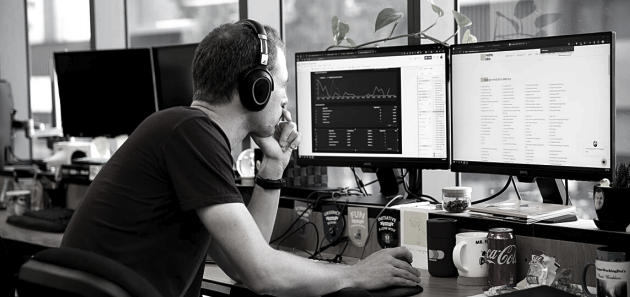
(563, 282)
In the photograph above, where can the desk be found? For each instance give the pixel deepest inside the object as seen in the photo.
(573, 243)
(216, 281)
(40, 238)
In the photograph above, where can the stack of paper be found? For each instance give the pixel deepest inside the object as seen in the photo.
(521, 211)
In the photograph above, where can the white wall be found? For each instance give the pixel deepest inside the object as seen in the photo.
(14, 65)
(108, 31)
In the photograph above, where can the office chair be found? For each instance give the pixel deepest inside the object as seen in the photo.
(73, 272)
(7, 279)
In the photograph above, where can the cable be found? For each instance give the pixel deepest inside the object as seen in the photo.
(359, 182)
(516, 189)
(312, 205)
(495, 195)
(422, 197)
(298, 229)
(375, 220)
(566, 189)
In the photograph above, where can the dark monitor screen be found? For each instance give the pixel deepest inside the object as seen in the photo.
(104, 93)
(378, 107)
(540, 107)
(173, 74)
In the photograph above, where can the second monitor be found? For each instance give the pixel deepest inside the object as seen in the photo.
(377, 107)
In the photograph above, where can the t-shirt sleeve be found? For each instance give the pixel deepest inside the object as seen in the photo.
(199, 165)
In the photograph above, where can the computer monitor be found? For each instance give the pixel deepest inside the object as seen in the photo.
(173, 74)
(378, 107)
(6, 120)
(540, 107)
(104, 92)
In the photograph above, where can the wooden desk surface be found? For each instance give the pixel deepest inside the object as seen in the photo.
(216, 280)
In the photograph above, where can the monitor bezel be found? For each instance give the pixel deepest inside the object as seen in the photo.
(73, 132)
(381, 162)
(155, 58)
(532, 171)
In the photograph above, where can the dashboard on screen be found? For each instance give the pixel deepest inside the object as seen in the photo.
(541, 107)
(381, 107)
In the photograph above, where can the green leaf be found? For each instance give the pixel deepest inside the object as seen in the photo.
(386, 17)
(461, 19)
(335, 28)
(436, 8)
(468, 38)
(547, 19)
(513, 22)
(343, 30)
(524, 8)
(351, 42)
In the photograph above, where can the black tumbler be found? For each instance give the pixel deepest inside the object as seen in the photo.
(440, 244)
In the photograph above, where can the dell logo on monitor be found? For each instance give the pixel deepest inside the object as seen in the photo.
(367, 164)
(523, 172)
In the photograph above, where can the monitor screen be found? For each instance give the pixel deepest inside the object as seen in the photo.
(104, 93)
(378, 107)
(173, 74)
(541, 107)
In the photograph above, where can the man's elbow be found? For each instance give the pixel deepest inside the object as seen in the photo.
(266, 282)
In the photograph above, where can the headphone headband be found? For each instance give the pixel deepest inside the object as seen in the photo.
(262, 36)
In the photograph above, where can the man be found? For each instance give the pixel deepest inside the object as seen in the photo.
(598, 199)
(167, 195)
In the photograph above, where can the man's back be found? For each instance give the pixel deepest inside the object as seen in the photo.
(139, 210)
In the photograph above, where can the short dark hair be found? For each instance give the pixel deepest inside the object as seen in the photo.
(222, 58)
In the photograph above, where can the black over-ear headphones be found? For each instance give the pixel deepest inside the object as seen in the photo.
(256, 84)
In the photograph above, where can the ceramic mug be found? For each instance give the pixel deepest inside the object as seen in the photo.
(469, 254)
(612, 278)
(611, 254)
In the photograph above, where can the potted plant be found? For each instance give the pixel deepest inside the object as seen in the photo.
(388, 16)
(612, 201)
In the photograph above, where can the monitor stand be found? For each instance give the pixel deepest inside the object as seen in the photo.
(552, 190)
(389, 189)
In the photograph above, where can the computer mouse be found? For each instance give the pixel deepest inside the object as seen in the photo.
(397, 291)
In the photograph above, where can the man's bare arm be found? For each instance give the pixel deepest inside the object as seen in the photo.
(268, 271)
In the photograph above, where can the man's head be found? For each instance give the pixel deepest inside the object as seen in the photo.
(223, 57)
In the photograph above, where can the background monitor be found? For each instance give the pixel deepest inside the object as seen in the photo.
(104, 93)
(541, 107)
(173, 74)
(378, 107)
(6, 120)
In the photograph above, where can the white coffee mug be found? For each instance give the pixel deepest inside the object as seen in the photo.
(469, 254)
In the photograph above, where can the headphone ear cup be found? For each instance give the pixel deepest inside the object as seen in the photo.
(255, 89)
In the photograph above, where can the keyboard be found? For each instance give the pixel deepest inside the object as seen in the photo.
(48, 220)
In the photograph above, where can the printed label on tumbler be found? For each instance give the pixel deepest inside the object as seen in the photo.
(357, 227)
(387, 228)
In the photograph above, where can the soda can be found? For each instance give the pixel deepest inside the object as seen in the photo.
(501, 257)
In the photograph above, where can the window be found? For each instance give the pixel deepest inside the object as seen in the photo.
(502, 20)
(165, 22)
(53, 26)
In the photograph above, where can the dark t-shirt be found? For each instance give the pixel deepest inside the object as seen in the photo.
(140, 208)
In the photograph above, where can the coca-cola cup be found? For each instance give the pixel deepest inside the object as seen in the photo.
(501, 257)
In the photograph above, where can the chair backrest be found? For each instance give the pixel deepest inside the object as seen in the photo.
(7, 280)
(73, 272)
